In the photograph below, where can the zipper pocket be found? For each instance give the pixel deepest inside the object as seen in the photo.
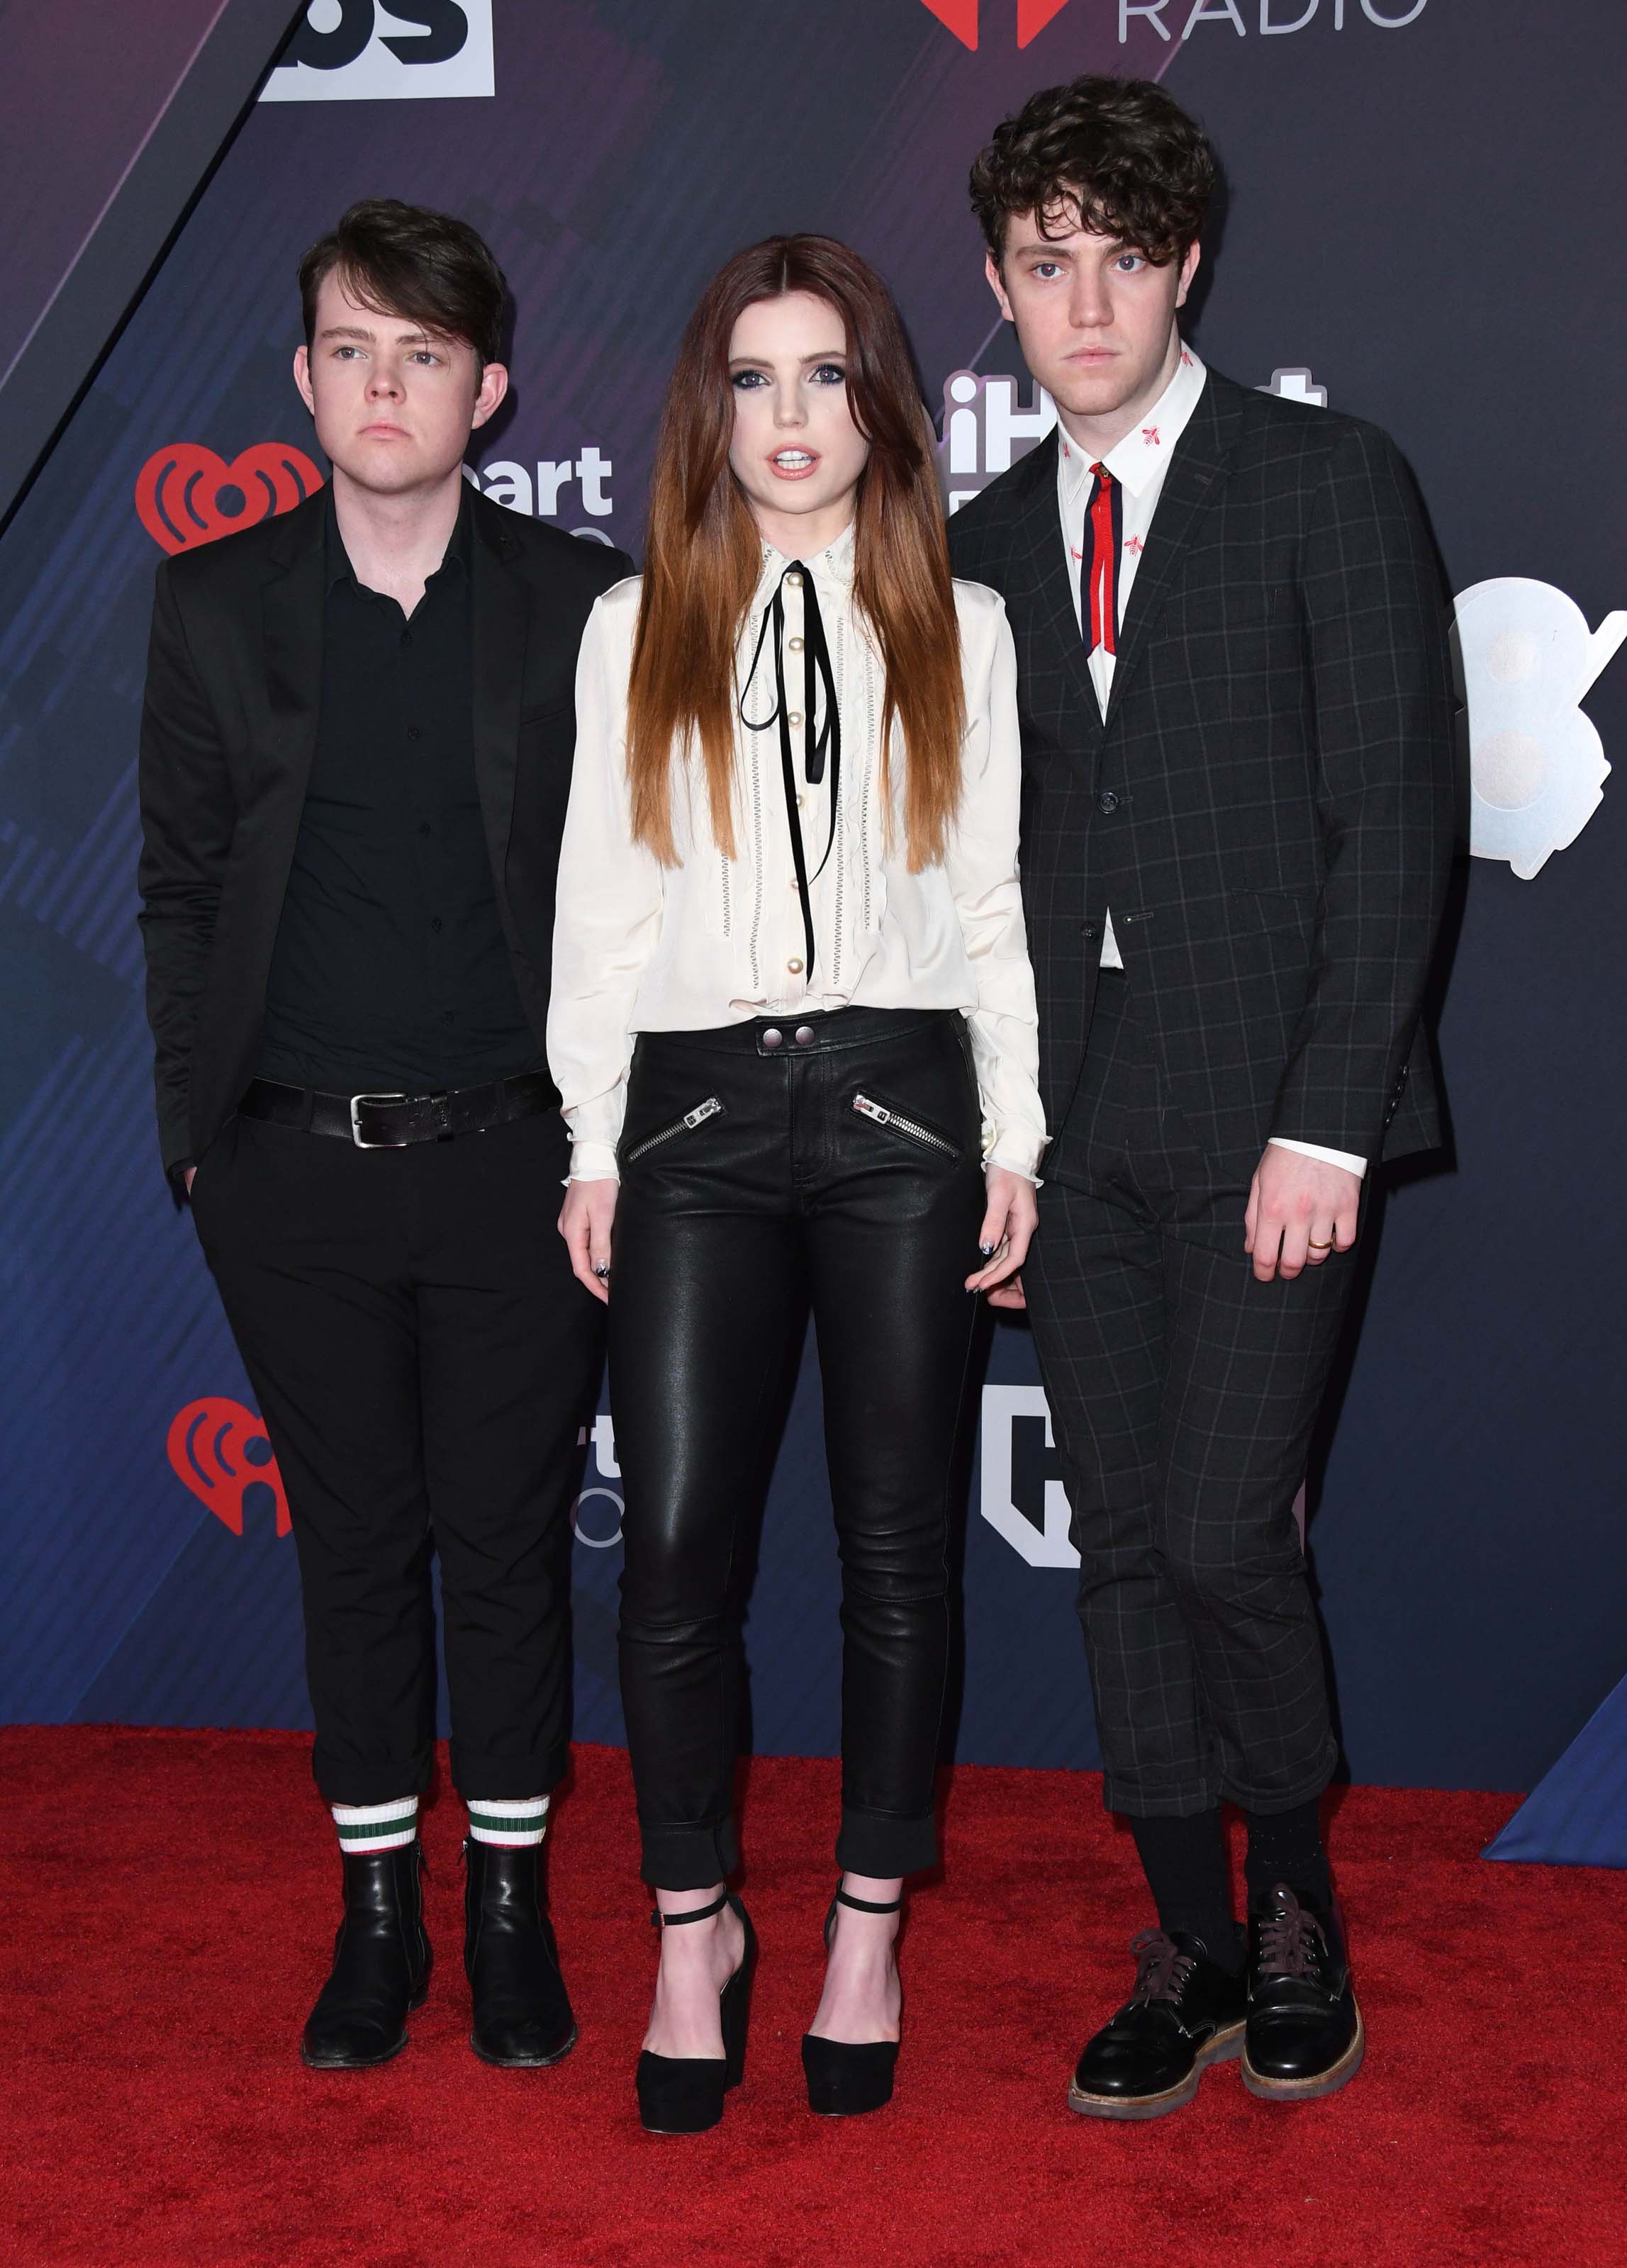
(712, 1108)
(879, 1116)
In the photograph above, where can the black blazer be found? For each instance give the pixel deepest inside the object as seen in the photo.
(1267, 807)
(228, 733)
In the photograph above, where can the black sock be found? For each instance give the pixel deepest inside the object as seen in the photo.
(1286, 1846)
(1189, 1874)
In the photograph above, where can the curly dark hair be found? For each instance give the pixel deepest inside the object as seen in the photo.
(404, 260)
(1118, 156)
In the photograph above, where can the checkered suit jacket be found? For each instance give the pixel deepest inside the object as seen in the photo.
(1267, 807)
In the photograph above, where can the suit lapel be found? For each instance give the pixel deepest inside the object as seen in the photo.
(291, 605)
(1044, 588)
(502, 604)
(1195, 477)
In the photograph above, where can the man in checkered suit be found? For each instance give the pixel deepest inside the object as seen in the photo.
(1237, 828)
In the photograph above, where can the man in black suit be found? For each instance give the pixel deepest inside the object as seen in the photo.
(1237, 828)
(355, 753)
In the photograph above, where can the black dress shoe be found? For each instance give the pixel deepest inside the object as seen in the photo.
(683, 2095)
(522, 2015)
(1185, 2013)
(380, 1964)
(1304, 2030)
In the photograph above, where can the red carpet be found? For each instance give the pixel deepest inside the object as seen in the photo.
(167, 1897)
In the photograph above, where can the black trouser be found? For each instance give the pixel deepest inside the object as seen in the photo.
(424, 1360)
(1183, 1394)
(752, 1185)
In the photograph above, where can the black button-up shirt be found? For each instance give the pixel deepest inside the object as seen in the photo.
(391, 973)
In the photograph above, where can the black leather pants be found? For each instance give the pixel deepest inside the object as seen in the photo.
(765, 1167)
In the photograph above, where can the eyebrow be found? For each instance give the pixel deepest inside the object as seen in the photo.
(757, 362)
(355, 331)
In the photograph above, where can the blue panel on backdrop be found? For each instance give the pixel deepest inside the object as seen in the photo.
(1576, 1815)
(1466, 1523)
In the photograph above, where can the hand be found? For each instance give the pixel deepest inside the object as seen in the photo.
(585, 1221)
(1009, 1223)
(1300, 1211)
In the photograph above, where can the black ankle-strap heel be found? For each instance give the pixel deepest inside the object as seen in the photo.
(847, 2078)
(683, 2095)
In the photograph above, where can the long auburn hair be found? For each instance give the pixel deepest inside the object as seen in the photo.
(704, 559)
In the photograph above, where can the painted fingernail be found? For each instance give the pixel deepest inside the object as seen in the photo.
(601, 1270)
(987, 1250)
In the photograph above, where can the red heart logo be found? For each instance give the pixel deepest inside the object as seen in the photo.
(219, 1449)
(186, 495)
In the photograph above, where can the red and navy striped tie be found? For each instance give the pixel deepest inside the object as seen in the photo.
(1100, 617)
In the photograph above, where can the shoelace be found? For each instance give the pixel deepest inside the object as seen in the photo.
(1164, 1971)
(1292, 1942)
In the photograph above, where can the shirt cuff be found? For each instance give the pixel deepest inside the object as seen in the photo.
(593, 1161)
(1017, 1155)
(1350, 1162)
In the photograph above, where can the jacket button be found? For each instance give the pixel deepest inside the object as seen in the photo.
(804, 1035)
(1108, 802)
(772, 1037)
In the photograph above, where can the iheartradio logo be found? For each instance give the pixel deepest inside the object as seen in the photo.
(219, 1449)
(186, 495)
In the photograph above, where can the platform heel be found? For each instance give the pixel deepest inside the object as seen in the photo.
(683, 2095)
(846, 2079)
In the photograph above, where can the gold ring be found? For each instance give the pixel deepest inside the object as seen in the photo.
(1322, 1248)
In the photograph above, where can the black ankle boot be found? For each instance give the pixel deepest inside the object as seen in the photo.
(381, 1964)
(522, 2017)
(1304, 2036)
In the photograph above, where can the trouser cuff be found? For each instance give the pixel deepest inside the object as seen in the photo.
(507, 1772)
(689, 1857)
(344, 1779)
(886, 1843)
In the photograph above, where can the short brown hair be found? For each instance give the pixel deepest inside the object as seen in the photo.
(402, 260)
(1117, 156)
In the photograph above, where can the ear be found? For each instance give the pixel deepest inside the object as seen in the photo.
(1188, 269)
(493, 386)
(997, 285)
(302, 377)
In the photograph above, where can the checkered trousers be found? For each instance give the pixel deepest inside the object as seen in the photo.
(1183, 1394)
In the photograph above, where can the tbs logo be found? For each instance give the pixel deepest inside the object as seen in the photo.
(386, 51)
(186, 495)
(220, 1451)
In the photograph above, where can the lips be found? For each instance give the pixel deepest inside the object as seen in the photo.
(792, 464)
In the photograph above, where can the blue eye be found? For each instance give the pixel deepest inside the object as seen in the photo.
(1047, 268)
(829, 373)
(1128, 262)
(743, 378)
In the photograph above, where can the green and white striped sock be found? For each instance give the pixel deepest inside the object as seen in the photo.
(376, 1826)
(517, 1825)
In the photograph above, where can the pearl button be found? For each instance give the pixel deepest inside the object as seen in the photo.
(796, 717)
(795, 966)
(796, 646)
(795, 579)
(804, 1035)
(799, 802)
(772, 1037)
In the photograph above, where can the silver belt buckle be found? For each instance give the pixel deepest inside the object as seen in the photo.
(355, 1134)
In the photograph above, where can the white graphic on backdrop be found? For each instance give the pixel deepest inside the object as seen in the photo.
(386, 51)
(1537, 766)
(1021, 1493)
(544, 495)
(986, 426)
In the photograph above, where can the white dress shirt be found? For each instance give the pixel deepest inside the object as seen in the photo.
(1138, 463)
(713, 941)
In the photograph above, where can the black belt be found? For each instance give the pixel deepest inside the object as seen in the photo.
(390, 1122)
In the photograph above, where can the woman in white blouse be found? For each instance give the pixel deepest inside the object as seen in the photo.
(793, 1027)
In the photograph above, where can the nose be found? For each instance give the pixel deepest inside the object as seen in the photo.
(1091, 305)
(384, 382)
(790, 409)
